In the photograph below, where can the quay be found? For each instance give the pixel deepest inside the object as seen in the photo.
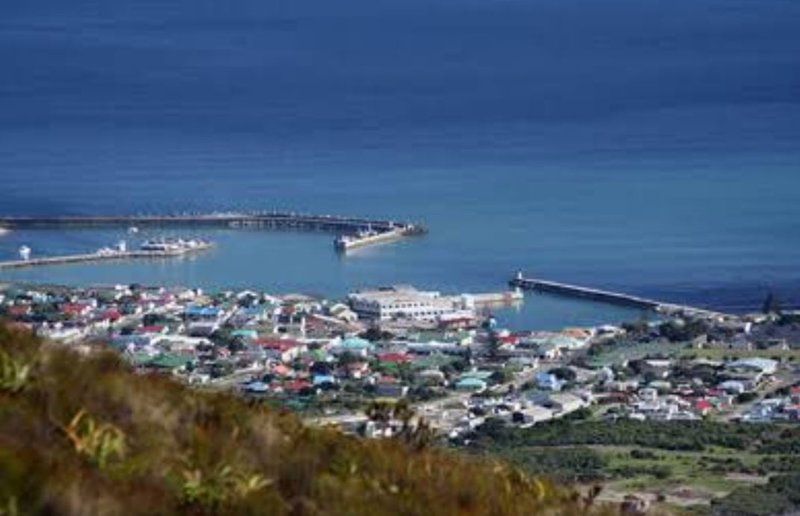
(102, 257)
(353, 231)
(363, 239)
(606, 296)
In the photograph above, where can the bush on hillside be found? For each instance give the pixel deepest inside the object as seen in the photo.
(83, 435)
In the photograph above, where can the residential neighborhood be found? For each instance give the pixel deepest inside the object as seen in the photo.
(445, 355)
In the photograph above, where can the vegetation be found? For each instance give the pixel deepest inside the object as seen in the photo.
(667, 435)
(578, 464)
(84, 435)
(781, 495)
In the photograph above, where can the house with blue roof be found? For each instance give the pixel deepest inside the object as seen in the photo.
(548, 382)
(198, 312)
(471, 383)
(355, 346)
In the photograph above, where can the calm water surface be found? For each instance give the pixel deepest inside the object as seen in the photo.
(645, 146)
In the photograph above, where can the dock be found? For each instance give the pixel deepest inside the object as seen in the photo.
(345, 243)
(610, 297)
(101, 257)
(352, 229)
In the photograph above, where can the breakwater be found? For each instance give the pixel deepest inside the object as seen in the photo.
(266, 220)
(607, 296)
(102, 257)
(353, 231)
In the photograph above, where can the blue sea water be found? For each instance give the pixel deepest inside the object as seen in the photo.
(647, 146)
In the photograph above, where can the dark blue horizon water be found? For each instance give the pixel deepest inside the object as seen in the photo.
(646, 146)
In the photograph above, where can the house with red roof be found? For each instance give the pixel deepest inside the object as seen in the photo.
(76, 309)
(394, 358)
(284, 350)
(153, 330)
(111, 315)
(703, 406)
(297, 386)
(18, 311)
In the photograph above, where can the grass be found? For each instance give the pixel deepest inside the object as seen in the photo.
(622, 351)
(721, 353)
(85, 435)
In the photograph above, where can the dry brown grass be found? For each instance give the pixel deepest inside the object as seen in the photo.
(187, 451)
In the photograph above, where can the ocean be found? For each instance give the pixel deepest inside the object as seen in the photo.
(646, 146)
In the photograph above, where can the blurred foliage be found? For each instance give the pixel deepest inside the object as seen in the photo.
(148, 445)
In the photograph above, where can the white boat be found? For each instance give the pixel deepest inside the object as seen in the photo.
(25, 253)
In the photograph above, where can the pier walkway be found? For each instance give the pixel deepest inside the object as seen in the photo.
(353, 231)
(268, 220)
(101, 257)
(606, 296)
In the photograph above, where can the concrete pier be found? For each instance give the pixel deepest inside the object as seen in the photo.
(347, 242)
(350, 227)
(615, 298)
(101, 257)
(593, 294)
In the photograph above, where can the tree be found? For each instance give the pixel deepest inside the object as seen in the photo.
(564, 373)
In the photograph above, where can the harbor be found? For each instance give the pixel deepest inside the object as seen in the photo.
(353, 232)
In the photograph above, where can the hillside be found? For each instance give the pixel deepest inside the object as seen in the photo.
(85, 435)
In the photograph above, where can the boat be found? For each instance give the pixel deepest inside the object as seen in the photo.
(173, 245)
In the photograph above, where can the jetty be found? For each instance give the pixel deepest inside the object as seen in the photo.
(610, 297)
(102, 256)
(357, 232)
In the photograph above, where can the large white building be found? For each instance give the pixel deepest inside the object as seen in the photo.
(403, 302)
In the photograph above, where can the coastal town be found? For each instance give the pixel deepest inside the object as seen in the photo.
(445, 356)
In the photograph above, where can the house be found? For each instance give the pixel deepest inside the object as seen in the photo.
(732, 387)
(656, 368)
(256, 387)
(536, 414)
(284, 350)
(342, 312)
(246, 334)
(153, 330)
(471, 384)
(548, 352)
(355, 346)
(389, 387)
(703, 406)
(76, 309)
(762, 365)
(18, 311)
(394, 358)
(564, 403)
(357, 370)
(648, 394)
(323, 380)
(203, 313)
(431, 377)
(548, 382)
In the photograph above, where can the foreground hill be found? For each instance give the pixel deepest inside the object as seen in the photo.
(85, 435)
